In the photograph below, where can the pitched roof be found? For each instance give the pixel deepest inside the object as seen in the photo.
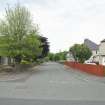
(91, 45)
(103, 41)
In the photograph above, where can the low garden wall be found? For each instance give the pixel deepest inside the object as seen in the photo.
(23, 67)
(98, 70)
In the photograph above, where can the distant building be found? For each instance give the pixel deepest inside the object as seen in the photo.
(69, 57)
(92, 46)
(98, 51)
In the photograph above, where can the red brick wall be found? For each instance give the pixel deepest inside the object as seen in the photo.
(98, 70)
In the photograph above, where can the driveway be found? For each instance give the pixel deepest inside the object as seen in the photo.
(53, 83)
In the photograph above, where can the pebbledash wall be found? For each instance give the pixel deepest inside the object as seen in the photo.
(98, 70)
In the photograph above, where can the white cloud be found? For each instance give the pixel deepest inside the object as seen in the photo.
(66, 22)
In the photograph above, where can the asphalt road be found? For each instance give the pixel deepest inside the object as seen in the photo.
(54, 84)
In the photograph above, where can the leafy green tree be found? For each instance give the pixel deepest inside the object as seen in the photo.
(51, 56)
(63, 55)
(31, 49)
(44, 46)
(18, 40)
(80, 52)
(57, 56)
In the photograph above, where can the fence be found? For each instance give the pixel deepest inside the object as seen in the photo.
(98, 70)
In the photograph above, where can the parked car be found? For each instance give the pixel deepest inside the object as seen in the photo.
(90, 62)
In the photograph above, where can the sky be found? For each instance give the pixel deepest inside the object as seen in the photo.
(65, 22)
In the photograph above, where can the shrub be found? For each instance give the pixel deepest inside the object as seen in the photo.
(25, 62)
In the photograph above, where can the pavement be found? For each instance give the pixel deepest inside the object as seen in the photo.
(16, 76)
(54, 83)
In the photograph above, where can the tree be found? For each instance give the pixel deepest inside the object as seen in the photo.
(57, 56)
(62, 55)
(31, 49)
(80, 52)
(19, 37)
(44, 46)
(51, 56)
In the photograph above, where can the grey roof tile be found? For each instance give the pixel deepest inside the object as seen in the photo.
(91, 45)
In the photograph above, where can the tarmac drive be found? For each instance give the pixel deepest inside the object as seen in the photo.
(54, 84)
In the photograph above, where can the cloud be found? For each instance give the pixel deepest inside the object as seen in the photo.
(66, 22)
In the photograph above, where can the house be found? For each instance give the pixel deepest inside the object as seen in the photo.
(98, 51)
(69, 57)
(6, 60)
(92, 46)
(101, 53)
(3, 60)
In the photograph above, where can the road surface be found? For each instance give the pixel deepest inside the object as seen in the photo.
(54, 84)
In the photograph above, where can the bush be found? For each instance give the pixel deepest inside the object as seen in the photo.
(25, 62)
(39, 61)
